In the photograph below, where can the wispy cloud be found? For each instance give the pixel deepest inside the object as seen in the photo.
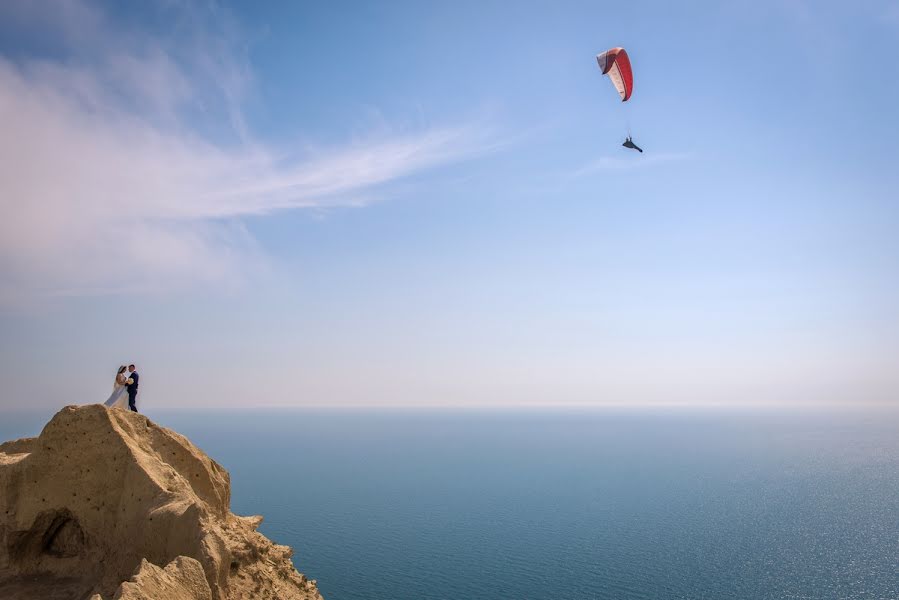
(114, 157)
(632, 161)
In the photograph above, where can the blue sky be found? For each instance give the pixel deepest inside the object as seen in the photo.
(423, 204)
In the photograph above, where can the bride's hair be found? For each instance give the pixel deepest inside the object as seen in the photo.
(121, 370)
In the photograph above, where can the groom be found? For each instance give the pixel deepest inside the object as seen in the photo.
(132, 387)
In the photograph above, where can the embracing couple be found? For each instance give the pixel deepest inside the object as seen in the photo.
(125, 382)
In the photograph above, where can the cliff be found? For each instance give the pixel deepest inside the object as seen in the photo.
(105, 504)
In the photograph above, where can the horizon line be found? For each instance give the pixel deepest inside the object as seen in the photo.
(502, 407)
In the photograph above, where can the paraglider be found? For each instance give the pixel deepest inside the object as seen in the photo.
(617, 65)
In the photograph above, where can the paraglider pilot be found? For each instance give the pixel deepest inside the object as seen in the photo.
(629, 143)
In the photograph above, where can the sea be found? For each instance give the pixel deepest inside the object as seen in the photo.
(566, 504)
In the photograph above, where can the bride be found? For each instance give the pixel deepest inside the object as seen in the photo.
(119, 397)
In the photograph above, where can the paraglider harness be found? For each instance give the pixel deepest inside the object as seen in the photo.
(629, 143)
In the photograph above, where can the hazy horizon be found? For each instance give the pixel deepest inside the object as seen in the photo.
(417, 205)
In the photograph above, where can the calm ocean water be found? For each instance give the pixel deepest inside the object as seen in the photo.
(603, 504)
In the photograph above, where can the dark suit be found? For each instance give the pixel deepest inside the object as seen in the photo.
(132, 391)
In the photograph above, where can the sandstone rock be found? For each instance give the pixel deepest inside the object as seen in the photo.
(182, 579)
(104, 496)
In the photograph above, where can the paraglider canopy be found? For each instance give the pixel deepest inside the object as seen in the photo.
(617, 66)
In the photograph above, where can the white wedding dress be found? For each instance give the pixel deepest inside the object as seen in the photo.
(119, 396)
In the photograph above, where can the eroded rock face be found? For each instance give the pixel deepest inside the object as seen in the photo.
(182, 579)
(104, 495)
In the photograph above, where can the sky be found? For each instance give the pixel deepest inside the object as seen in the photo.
(427, 204)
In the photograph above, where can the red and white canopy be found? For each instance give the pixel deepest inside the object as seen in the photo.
(617, 66)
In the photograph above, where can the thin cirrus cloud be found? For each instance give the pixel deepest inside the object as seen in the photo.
(106, 164)
(615, 163)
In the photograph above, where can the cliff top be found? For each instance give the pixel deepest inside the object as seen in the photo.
(105, 504)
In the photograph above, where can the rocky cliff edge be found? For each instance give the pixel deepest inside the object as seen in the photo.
(105, 504)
